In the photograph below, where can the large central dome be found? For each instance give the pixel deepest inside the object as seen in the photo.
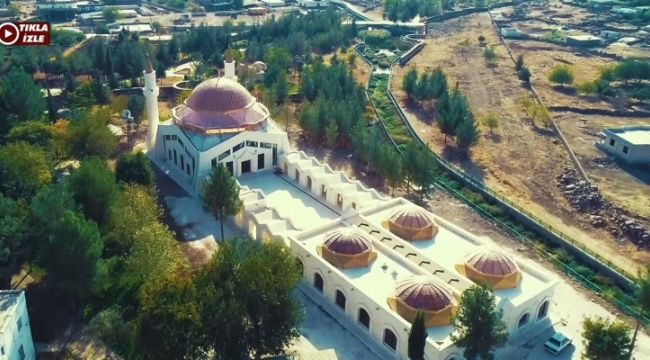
(220, 105)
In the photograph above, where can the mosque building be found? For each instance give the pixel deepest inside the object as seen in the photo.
(371, 261)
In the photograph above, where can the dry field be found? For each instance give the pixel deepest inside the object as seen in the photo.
(519, 159)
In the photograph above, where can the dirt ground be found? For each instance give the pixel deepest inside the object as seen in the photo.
(519, 159)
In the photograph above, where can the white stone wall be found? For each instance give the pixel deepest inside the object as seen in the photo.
(13, 338)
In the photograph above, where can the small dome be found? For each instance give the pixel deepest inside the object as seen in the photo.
(411, 217)
(347, 241)
(219, 95)
(424, 293)
(492, 262)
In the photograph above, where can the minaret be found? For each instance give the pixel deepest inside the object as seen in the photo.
(150, 92)
(229, 66)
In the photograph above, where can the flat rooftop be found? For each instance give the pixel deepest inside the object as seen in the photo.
(375, 282)
(289, 199)
(447, 248)
(8, 303)
(635, 135)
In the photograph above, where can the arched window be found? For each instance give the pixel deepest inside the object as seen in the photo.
(543, 310)
(364, 318)
(301, 266)
(340, 299)
(318, 282)
(390, 339)
(523, 320)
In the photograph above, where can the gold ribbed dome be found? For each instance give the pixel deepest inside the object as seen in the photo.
(219, 95)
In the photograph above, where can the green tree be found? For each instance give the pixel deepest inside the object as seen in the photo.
(425, 169)
(156, 26)
(88, 134)
(524, 75)
(110, 327)
(605, 340)
(14, 234)
(409, 82)
(478, 326)
(169, 321)
(24, 169)
(587, 87)
(134, 168)
(94, 189)
(20, 99)
(332, 134)
(627, 70)
(492, 121)
(561, 74)
(111, 14)
(519, 64)
(71, 255)
(236, 322)
(220, 194)
(467, 134)
(417, 337)
(110, 73)
(101, 92)
(35, 133)
(643, 301)
(490, 54)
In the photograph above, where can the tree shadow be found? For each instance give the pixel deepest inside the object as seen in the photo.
(544, 131)
(425, 112)
(451, 154)
(639, 172)
(566, 90)
(49, 316)
(492, 65)
(494, 137)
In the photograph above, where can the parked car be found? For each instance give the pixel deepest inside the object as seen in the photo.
(557, 343)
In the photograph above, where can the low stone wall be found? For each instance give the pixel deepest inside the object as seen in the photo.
(603, 112)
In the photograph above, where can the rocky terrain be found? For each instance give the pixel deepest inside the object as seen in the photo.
(586, 198)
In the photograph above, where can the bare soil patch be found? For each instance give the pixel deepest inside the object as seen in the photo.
(620, 183)
(520, 159)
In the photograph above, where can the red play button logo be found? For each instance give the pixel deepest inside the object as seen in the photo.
(9, 33)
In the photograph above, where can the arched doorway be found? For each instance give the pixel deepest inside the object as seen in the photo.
(252, 230)
(301, 266)
(323, 191)
(318, 282)
(364, 318)
(265, 237)
(297, 176)
(309, 183)
(543, 310)
(339, 201)
(340, 299)
(390, 339)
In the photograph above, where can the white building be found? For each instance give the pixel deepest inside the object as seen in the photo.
(313, 4)
(368, 259)
(510, 32)
(16, 336)
(630, 143)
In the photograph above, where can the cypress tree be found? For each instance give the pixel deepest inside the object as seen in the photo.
(112, 81)
(417, 337)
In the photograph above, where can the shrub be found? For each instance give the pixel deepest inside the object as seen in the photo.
(377, 37)
(587, 88)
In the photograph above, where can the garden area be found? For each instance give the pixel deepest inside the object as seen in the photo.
(382, 48)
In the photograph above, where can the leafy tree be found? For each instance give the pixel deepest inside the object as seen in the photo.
(524, 75)
(424, 175)
(71, 256)
(94, 189)
(161, 72)
(236, 322)
(88, 134)
(445, 120)
(490, 54)
(409, 82)
(438, 81)
(111, 14)
(607, 73)
(20, 99)
(332, 134)
(478, 326)
(492, 121)
(417, 337)
(605, 340)
(24, 169)
(14, 234)
(168, 322)
(519, 64)
(35, 133)
(281, 87)
(481, 38)
(627, 70)
(643, 301)
(156, 26)
(101, 93)
(587, 87)
(390, 167)
(467, 133)
(110, 73)
(134, 168)
(220, 194)
(561, 74)
(111, 328)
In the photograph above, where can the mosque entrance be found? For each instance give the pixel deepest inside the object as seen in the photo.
(260, 161)
(246, 166)
(229, 167)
